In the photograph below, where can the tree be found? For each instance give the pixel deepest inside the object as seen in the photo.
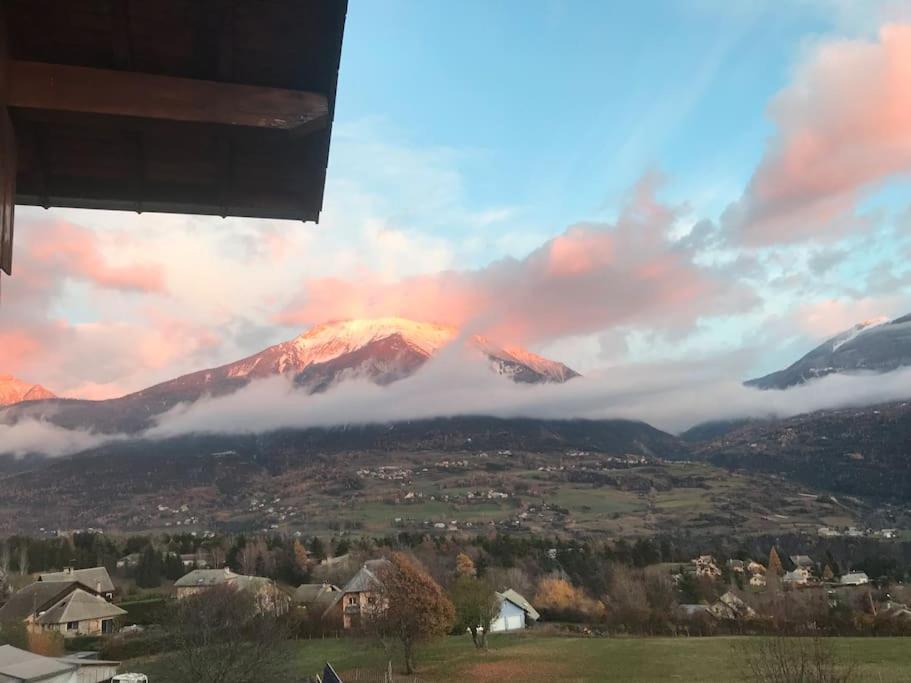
(148, 569)
(476, 606)
(465, 566)
(775, 566)
(413, 607)
(23, 556)
(221, 637)
(563, 600)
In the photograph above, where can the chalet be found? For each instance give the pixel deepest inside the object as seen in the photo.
(802, 561)
(755, 568)
(269, 597)
(67, 607)
(314, 597)
(705, 567)
(20, 666)
(854, 579)
(516, 613)
(352, 605)
(797, 577)
(757, 581)
(96, 578)
(729, 606)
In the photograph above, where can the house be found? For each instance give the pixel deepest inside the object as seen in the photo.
(194, 560)
(516, 613)
(757, 581)
(705, 567)
(729, 606)
(19, 666)
(67, 607)
(802, 561)
(314, 597)
(352, 605)
(798, 577)
(130, 561)
(693, 611)
(737, 566)
(754, 568)
(854, 579)
(96, 578)
(269, 597)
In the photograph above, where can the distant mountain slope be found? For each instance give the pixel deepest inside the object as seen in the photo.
(857, 451)
(382, 350)
(873, 346)
(14, 390)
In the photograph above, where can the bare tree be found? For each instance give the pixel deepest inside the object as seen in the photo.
(792, 660)
(221, 637)
(5, 557)
(23, 557)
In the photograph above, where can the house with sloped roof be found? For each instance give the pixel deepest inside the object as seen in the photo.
(96, 578)
(314, 598)
(353, 605)
(269, 597)
(20, 666)
(516, 613)
(66, 607)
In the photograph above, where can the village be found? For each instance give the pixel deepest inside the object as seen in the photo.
(97, 621)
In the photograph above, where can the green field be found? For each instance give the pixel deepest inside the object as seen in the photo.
(529, 657)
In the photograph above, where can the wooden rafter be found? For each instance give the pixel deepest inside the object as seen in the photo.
(56, 87)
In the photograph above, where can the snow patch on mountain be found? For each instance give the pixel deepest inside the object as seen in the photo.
(848, 335)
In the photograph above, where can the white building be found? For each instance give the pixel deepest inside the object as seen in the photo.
(20, 666)
(516, 613)
(854, 579)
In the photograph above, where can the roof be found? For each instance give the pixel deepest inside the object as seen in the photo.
(206, 577)
(96, 578)
(20, 665)
(366, 579)
(34, 598)
(802, 560)
(135, 106)
(519, 600)
(80, 606)
(310, 593)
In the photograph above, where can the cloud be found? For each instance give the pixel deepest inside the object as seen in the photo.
(669, 396)
(842, 126)
(34, 436)
(591, 277)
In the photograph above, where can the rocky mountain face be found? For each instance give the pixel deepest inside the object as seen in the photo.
(382, 350)
(14, 390)
(870, 346)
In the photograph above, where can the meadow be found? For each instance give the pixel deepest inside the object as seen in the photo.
(527, 657)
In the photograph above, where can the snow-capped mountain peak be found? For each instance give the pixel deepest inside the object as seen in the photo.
(843, 338)
(13, 390)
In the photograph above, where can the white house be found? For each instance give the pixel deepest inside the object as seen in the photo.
(516, 613)
(855, 579)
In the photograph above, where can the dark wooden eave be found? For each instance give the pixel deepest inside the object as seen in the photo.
(219, 107)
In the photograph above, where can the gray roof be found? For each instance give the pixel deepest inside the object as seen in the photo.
(312, 593)
(80, 606)
(518, 600)
(19, 665)
(366, 579)
(96, 578)
(33, 598)
(205, 577)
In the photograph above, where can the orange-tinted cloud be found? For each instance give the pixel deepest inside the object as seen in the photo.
(75, 251)
(842, 126)
(591, 277)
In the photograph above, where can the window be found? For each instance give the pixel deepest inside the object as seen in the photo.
(72, 625)
(352, 600)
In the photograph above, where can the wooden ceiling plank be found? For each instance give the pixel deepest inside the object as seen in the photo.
(60, 87)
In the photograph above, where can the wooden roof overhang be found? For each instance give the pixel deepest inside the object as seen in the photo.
(219, 107)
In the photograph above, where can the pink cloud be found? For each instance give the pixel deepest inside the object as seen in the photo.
(75, 251)
(592, 277)
(842, 126)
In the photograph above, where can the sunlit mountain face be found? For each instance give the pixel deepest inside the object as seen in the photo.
(378, 350)
(13, 390)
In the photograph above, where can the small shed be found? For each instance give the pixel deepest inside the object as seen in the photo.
(516, 613)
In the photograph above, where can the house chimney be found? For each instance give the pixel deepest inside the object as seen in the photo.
(98, 586)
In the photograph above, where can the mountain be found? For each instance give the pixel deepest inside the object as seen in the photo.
(383, 350)
(14, 390)
(854, 451)
(873, 346)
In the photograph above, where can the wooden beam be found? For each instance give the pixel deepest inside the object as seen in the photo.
(57, 87)
(8, 165)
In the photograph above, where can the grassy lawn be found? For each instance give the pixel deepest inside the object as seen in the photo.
(543, 658)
